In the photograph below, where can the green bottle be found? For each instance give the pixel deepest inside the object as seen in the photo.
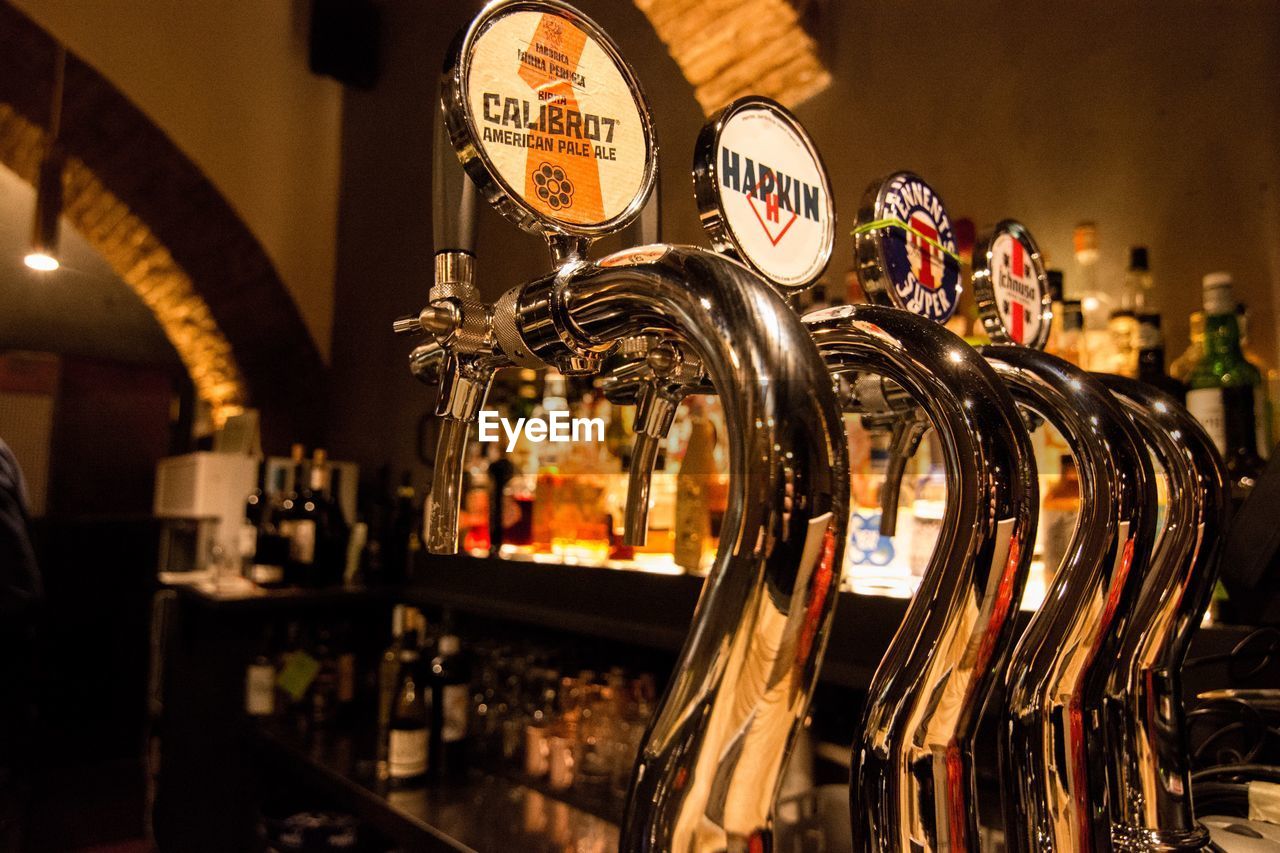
(1225, 387)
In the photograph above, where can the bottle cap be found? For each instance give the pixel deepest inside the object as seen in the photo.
(1055, 285)
(1217, 294)
(1138, 258)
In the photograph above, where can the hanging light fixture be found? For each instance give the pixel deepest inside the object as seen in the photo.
(44, 227)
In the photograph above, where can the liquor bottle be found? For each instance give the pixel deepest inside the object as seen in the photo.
(260, 680)
(1139, 285)
(1224, 387)
(550, 479)
(270, 547)
(1122, 327)
(397, 546)
(330, 526)
(254, 507)
(1180, 368)
(450, 681)
(1151, 357)
(1264, 401)
(500, 473)
(297, 523)
(1071, 338)
(324, 689)
(388, 684)
(345, 692)
(473, 521)
(408, 739)
(1059, 511)
(1096, 351)
(693, 496)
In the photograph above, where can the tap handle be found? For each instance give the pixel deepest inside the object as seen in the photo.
(904, 442)
(453, 195)
(646, 230)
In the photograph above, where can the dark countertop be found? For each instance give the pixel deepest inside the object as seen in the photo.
(485, 814)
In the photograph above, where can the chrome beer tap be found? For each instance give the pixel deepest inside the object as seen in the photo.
(913, 786)
(710, 761)
(1149, 779)
(1053, 746)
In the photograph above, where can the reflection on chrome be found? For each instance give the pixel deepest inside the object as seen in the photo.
(913, 783)
(1053, 761)
(710, 764)
(1150, 781)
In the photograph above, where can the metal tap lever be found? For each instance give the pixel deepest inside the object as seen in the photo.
(903, 443)
(1052, 754)
(1145, 729)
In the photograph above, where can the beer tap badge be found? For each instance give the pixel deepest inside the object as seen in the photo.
(1011, 288)
(906, 249)
(763, 194)
(556, 116)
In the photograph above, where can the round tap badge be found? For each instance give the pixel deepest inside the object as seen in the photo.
(762, 192)
(1011, 288)
(549, 120)
(906, 249)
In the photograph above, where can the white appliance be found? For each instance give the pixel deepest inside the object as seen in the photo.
(204, 494)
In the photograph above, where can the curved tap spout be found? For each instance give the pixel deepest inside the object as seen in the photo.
(709, 766)
(913, 785)
(1051, 761)
(1150, 781)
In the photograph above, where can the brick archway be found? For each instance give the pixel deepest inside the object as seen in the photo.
(168, 232)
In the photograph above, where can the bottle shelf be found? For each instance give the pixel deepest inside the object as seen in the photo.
(485, 813)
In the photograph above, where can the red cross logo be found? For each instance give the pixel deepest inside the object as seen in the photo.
(920, 229)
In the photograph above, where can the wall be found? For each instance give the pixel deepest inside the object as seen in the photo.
(1157, 120)
(228, 81)
(1164, 131)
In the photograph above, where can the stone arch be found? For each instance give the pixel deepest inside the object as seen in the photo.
(169, 234)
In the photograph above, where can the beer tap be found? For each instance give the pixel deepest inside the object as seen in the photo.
(1053, 749)
(1149, 779)
(913, 786)
(573, 162)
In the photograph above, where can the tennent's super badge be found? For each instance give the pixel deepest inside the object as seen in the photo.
(1010, 287)
(549, 121)
(906, 249)
(763, 193)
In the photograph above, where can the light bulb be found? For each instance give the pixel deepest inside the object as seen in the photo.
(41, 262)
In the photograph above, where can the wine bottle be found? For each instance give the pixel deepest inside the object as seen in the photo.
(450, 680)
(1224, 387)
(407, 742)
(1151, 357)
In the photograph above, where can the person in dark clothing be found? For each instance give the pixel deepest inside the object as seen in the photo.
(21, 593)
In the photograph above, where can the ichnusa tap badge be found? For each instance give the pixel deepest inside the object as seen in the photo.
(906, 248)
(1011, 288)
(763, 194)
